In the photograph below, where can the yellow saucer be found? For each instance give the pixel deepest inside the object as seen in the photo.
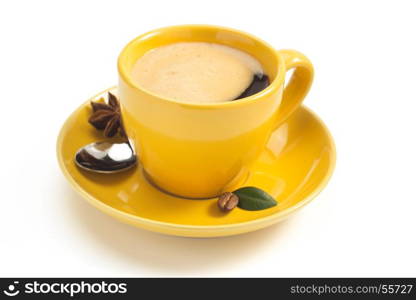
(294, 168)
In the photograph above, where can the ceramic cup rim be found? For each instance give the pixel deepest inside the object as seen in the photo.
(273, 87)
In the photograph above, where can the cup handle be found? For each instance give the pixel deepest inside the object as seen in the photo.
(299, 84)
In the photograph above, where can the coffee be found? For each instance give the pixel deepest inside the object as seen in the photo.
(199, 72)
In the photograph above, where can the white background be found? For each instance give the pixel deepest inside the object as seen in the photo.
(56, 54)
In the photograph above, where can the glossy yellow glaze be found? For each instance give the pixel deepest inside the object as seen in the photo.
(200, 150)
(295, 165)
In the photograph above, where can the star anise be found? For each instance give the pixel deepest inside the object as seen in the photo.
(107, 117)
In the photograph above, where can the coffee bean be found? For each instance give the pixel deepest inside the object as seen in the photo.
(227, 201)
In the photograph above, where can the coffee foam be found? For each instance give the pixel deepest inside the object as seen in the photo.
(196, 72)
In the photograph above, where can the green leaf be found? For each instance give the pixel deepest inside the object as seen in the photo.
(252, 198)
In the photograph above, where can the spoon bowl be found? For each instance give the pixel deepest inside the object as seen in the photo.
(106, 157)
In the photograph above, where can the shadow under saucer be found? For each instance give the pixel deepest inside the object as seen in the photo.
(158, 252)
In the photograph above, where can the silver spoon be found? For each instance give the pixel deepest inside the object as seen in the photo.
(106, 157)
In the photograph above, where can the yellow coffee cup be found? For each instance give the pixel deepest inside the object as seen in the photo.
(197, 150)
